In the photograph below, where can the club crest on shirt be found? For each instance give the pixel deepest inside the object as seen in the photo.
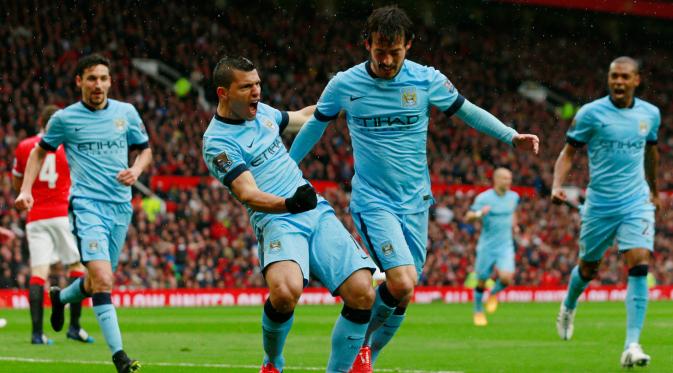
(408, 96)
(267, 122)
(120, 124)
(643, 127)
(222, 162)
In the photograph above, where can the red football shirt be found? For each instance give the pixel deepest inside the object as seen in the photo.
(51, 189)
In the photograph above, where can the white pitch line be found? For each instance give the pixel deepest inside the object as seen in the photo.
(194, 365)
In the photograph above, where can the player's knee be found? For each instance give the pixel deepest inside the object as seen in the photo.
(360, 297)
(589, 271)
(635, 257)
(505, 280)
(284, 297)
(402, 287)
(102, 282)
(40, 271)
(357, 291)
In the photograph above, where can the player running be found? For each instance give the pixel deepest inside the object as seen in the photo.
(48, 230)
(496, 208)
(621, 133)
(97, 134)
(387, 101)
(297, 230)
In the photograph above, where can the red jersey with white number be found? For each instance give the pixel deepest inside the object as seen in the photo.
(51, 189)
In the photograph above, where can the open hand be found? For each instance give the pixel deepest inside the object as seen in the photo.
(526, 142)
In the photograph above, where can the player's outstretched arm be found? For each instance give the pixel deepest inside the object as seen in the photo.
(130, 175)
(561, 168)
(472, 216)
(307, 137)
(245, 189)
(298, 118)
(487, 123)
(24, 201)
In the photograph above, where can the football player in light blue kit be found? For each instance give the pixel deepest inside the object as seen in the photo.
(97, 133)
(496, 208)
(387, 101)
(621, 133)
(298, 231)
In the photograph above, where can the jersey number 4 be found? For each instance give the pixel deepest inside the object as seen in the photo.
(48, 172)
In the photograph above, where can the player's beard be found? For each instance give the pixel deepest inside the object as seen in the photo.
(97, 98)
(388, 71)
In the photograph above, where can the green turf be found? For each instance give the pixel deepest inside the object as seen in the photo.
(436, 337)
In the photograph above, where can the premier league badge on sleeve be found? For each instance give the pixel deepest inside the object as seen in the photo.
(449, 86)
(222, 162)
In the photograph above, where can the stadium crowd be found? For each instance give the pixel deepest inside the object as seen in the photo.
(200, 237)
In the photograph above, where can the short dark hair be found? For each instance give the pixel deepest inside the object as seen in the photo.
(90, 60)
(628, 60)
(223, 73)
(389, 22)
(46, 114)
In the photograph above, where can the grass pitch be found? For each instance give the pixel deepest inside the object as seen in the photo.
(434, 338)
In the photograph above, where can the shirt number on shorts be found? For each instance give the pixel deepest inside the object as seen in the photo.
(646, 230)
(48, 171)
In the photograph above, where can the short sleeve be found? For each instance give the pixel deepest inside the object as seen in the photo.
(443, 94)
(224, 159)
(653, 136)
(20, 159)
(478, 203)
(329, 104)
(55, 135)
(581, 129)
(137, 134)
(280, 117)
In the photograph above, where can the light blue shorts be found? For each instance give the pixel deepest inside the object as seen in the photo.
(502, 259)
(394, 240)
(100, 228)
(630, 230)
(318, 242)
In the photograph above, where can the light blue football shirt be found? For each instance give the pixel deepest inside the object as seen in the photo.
(97, 144)
(496, 227)
(233, 147)
(616, 139)
(388, 124)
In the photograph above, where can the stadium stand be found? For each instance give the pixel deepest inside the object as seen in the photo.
(198, 237)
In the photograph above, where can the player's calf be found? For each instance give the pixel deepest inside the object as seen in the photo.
(36, 303)
(349, 331)
(57, 309)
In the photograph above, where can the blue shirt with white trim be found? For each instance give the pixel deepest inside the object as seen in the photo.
(233, 147)
(616, 139)
(496, 226)
(97, 144)
(388, 123)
